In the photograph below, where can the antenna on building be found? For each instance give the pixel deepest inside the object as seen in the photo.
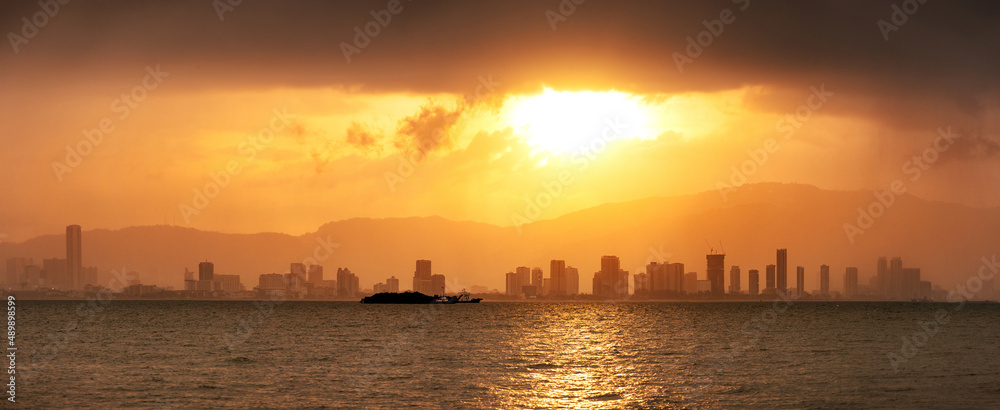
(711, 250)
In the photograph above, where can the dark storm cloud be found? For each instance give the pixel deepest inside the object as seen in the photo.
(943, 55)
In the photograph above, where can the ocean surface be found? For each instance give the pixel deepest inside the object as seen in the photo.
(176, 354)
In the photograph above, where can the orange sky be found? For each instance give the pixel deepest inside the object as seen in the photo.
(446, 111)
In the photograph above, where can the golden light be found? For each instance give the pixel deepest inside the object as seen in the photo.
(568, 121)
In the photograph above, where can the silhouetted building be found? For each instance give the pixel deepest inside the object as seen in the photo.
(611, 281)
(437, 285)
(851, 281)
(769, 274)
(392, 284)
(299, 270)
(422, 277)
(882, 277)
(782, 273)
(675, 278)
(800, 280)
(734, 280)
(206, 270)
(316, 274)
(533, 277)
(271, 283)
(895, 282)
(716, 273)
(754, 282)
(572, 281)
(824, 280)
(557, 271)
(910, 284)
(74, 255)
(228, 283)
(347, 283)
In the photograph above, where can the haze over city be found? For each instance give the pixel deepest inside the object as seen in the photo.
(603, 204)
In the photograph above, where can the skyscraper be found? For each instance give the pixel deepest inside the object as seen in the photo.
(534, 277)
(206, 270)
(734, 280)
(851, 281)
(895, 281)
(572, 281)
(316, 276)
(391, 284)
(782, 273)
(769, 279)
(422, 277)
(754, 282)
(716, 272)
(609, 281)
(882, 277)
(557, 271)
(800, 281)
(74, 255)
(824, 280)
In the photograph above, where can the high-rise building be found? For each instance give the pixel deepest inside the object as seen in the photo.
(438, 285)
(316, 275)
(800, 281)
(851, 281)
(299, 270)
(716, 272)
(347, 283)
(513, 288)
(572, 280)
(769, 273)
(392, 284)
(824, 280)
(538, 275)
(782, 273)
(882, 277)
(895, 282)
(754, 282)
(611, 281)
(675, 278)
(74, 255)
(557, 271)
(734, 280)
(206, 270)
(422, 277)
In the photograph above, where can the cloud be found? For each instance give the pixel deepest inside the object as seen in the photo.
(433, 128)
(365, 137)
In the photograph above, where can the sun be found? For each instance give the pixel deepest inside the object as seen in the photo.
(569, 121)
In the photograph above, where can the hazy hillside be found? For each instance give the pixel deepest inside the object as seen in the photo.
(946, 240)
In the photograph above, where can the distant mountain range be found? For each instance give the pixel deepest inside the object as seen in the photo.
(946, 240)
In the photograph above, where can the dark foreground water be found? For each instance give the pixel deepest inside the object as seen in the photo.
(507, 355)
